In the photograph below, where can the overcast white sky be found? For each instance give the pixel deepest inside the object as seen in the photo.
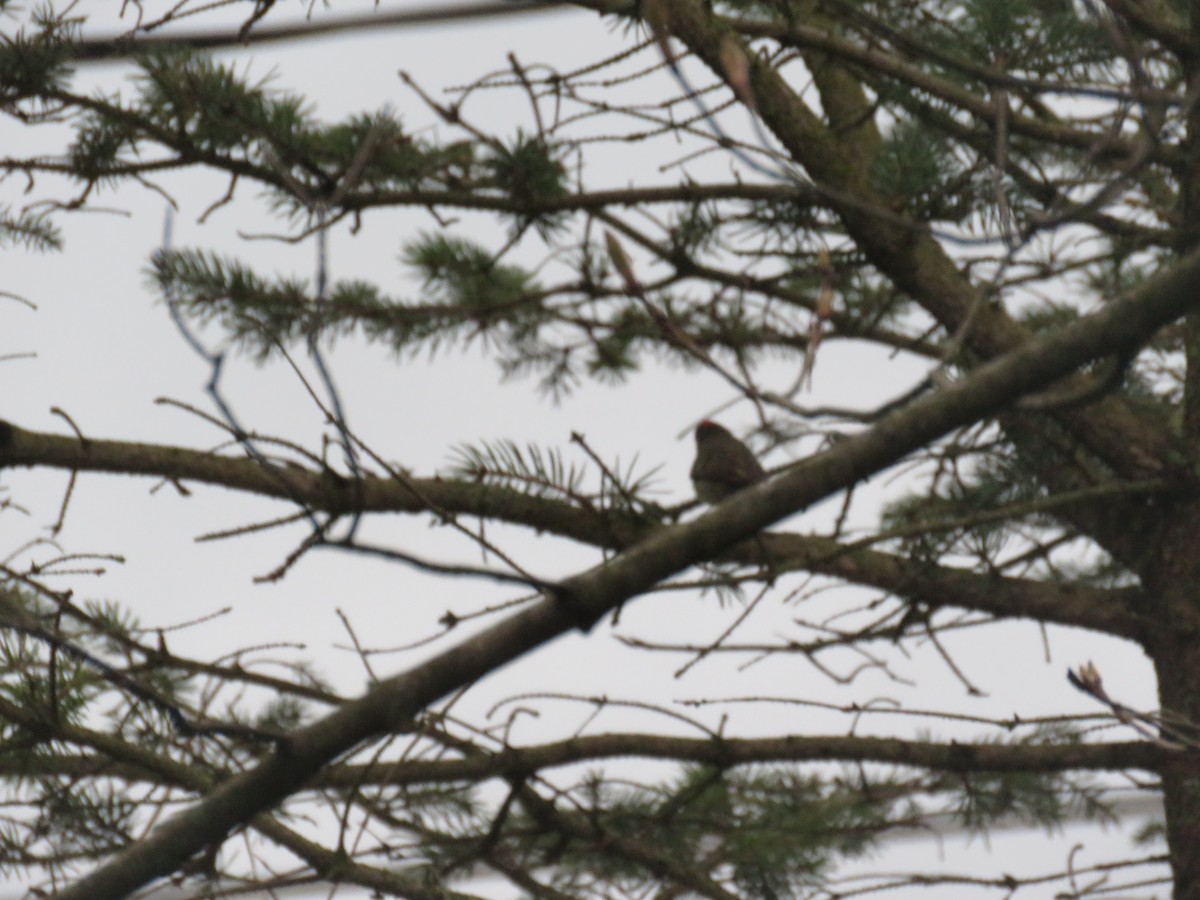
(106, 350)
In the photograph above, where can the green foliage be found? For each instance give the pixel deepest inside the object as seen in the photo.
(258, 314)
(695, 229)
(530, 470)
(57, 692)
(449, 809)
(1046, 317)
(114, 623)
(776, 827)
(1030, 798)
(34, 231)
(95, 155)
(769, 829)
(989, 481)
(615, 353)
(775, 831)
(201, 108)
(472, 296)
(389, 156)
(788, 220)
(191, 97)
(59, 820)
(474, 293)
(871, 301)
(544, 472)
(467, 277)
(281, 714)
(529, 171)
(1120, 271)
(1153, 833)
(83, 819)
(1033, 35)
(34, 65)
(920, 170)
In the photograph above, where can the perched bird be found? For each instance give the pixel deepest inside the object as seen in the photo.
(724, 465)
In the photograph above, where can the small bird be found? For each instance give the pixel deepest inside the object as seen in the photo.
(724, 465)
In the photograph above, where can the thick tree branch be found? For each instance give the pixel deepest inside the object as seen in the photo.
(729, 752)
(1109, 611)
(518, 762)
